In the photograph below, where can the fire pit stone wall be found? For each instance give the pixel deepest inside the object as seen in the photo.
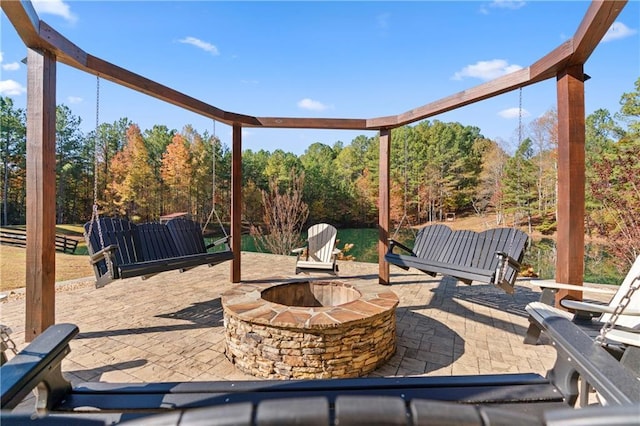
(326, 329)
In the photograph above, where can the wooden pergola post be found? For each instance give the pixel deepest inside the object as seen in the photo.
(571, 180)
(236, 201)
(41, 192)
(384, 221)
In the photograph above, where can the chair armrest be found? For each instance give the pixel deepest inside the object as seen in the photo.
(627, 337)
(223, 240)
(597, 309)
(393, 243)
(103, 254)
(553, 285)
(579, 355)
(510, 260)
(298, 250)
(336, 251)
(38, 366)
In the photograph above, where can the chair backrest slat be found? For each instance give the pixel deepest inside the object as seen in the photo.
(321, 242)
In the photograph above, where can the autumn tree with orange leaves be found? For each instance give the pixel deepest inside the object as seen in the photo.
(132, 183)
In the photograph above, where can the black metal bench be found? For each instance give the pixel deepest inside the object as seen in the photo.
(497, 399)
(18, 238)
(129, 250)
(492, 256)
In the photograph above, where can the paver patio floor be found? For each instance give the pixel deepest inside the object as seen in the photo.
(170, 326)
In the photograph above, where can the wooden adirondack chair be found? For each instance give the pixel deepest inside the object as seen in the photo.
(320, 254)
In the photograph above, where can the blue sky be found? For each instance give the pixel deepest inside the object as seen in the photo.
(322, 59)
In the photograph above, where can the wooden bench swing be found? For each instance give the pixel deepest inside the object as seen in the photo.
(492, 256)
(120, 249)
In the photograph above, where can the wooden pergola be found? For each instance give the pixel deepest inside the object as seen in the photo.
(46, 47)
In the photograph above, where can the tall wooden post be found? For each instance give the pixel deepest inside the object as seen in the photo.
(571, 180)
(236, 201)
(384, 205)
(41, 193)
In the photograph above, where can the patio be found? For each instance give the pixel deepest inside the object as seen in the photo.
(170, 327)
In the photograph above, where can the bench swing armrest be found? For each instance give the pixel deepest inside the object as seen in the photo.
(500, 279)
(393, 243)
(504, 257)
(104, 254)
(219, 241)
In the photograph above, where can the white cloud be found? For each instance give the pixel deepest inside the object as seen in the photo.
(11, 88)
(486, 70)
(11, 66)
(508, 4)
(617, 31)
(312, 105)
(74, 99)
(513, 113)
(207, 47)
(55, 7)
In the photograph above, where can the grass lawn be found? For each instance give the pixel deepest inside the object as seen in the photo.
(68, 266)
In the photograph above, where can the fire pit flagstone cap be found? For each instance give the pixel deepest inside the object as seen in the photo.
(246, 303)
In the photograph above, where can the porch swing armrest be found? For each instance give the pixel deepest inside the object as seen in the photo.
(504, 257)
(500, 278)
(393, 243)
(104, 254)
(219, 241)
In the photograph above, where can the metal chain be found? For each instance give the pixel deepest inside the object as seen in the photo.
(619, 309)
(95, 215)
(6, 341)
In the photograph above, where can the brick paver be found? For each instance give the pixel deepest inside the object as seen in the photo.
(170, 326)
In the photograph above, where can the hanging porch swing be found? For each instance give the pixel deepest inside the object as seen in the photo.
(120, 249)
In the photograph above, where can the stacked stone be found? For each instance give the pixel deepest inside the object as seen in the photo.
(272, 339)
(350, 349)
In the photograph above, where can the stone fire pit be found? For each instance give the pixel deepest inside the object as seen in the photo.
(309, 329)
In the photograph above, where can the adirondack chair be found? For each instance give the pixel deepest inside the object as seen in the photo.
(492, 256)
(591, 316)
(320, 253)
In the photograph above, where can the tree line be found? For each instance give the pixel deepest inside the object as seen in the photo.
(437, 169)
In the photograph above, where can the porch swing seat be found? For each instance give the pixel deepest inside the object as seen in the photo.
(492, 256)
(143, 250)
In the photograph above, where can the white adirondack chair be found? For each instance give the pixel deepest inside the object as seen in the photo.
(628, 323)
(320, 253)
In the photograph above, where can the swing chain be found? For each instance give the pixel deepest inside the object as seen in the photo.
(619, 309)
(95, 215)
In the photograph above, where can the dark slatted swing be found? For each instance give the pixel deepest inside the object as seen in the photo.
(120, 249)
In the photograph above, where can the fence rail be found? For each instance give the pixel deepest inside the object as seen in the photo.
(17, 237)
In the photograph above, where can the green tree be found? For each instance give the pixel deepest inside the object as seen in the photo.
(70, 166)
(13, 142)
(520, 192)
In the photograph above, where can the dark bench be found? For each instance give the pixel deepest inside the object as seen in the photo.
(524, 399)
(18, 238)
(492, 256)
(129, 250)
